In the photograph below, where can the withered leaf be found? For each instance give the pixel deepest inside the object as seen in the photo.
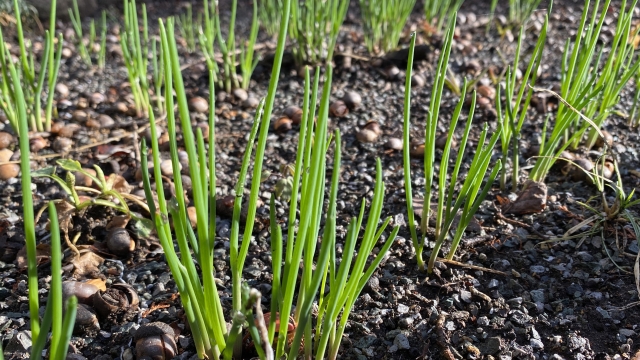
(43, 253)
(87, 263)
(118, 222)
(119, 184)
(532, 199)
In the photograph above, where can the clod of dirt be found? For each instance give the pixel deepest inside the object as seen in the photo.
(199, 105)
(166, 167)
(240, 94)
(62, 90)
(6, 140)
(441, 141)
(532, 199)
(119, 302)
(294, 113)
(607, 170)
(373, 126)
(62, 144)
(366, 136)
(417, 150)
(394, 144)
(84, 180)
(120, 242)
(338, 109)
(37, 143)
(282, 125)
(8, 171)
(105, 121)
(80, 116)
(155, 341)
(192, 214)
(484, 103)
(578, 169)
(82, 290)
(68, 130)
(486, 91)
(417, 81)
(86, 321)
(352, 99)
(251, 103)
(608, 139)
(97, 98)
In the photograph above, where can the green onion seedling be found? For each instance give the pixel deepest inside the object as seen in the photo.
(383, 22)
(512, 113)
(471, 193)
(438, 12)
(76, 21)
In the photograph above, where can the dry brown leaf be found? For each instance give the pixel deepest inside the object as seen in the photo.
(119, 184)
(532, 199)
(118, 222)
(106, 151)
(43, 253)
(99, 283)
(65, 211)
(87, 263)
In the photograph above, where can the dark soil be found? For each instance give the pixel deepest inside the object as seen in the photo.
(512, 294)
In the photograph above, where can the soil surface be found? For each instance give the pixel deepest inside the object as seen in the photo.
(514, 292)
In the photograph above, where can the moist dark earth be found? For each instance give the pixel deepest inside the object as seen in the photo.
(512, 294)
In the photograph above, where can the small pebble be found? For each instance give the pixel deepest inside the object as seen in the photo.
(352, 99)
(6, 139)
(8, 171)
(199, 105)
(240, 94)
(394, 143)
(62, 90)
(166, 167)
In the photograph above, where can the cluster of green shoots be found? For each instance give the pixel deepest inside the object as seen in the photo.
(85, 50)
(471, 193)
(60, 326)
(135, 50)
(587, 94)
(199, 296)
(270, 11)
(383, 22)
(32, 78)
(225, 75)
(438, 12)
(519, 10)
(314, 27)
(512, 112)
(188, 29)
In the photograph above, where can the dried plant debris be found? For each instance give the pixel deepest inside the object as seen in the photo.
(531, 200)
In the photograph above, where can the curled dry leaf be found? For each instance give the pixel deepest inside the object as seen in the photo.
(532, 199)
(43, 253)
(87, 263)
(118, 222)
(106, 151)
(119, 184)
